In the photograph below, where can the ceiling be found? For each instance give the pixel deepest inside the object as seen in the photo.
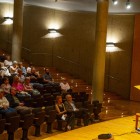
(84, 5)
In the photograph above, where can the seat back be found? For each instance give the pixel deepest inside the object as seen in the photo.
(99, 107)
(64, 96)
(90, 108)
(27, 119)
(39, 102)
(29, 102)
(86, 103)
(77, 98)
(73, 94)
(79, 105)
(13, 119)
(46, 95)
(85, 97)
(23, 98)
(39, 116)
(82, 93)
(51, 114)
(2, 124)
(49, 89)
(57, 89)
(95, 102)
(56, 94)
(40, 89)
(50, 100)
(40, 80)
(36, 96)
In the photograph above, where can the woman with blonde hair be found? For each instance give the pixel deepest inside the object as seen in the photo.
(62, 114)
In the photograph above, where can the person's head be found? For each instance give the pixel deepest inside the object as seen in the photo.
(64, 80)
(68, 98)
(47, 71)
(20, 72)
(16, 79)
(30, 64)
(20, 64)
(33, 70)
(1, 93)
(8, 57)
(6, 80)
(13, 91)
(15, 63)
(27, 80)
(58, 100)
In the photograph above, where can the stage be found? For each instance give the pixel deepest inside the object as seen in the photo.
(122, 126)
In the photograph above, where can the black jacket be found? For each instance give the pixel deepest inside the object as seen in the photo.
(12, 101)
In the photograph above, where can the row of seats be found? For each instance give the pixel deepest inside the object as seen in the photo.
(38, 116)
(48, 99)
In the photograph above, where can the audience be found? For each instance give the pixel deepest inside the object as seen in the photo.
(4, 104)
(34, 75)
(15, 101)
(7, 62)
(20, 76)
(4, 71)
(13, 68)
(79, 113)
(19, 88)
(47, 78)
(30, 67)
(6, 86)
(27, 86)
(62, 113)
(20, 66)
(65, 87)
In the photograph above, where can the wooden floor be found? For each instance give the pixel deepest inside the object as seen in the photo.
(115, 127)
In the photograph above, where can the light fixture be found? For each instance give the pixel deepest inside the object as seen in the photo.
(8, 18)
(115, 2)
(128, 5)
(110, 44)
(52, 30)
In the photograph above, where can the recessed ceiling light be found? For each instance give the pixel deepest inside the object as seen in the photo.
(128, 5)
(115, 2)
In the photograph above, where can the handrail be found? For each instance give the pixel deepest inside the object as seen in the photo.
(114, 78)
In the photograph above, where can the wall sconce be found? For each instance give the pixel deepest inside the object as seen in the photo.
(115, 2)
(52, 30)
(9, 20)
(110, 44)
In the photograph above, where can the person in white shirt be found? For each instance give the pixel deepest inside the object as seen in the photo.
(65, 87)
(4, 104)
(8, 62)
(30, 67)
(13, 68)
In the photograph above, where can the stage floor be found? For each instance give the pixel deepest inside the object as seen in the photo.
(122, 126)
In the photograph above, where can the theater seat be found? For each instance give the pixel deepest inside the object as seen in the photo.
(49, 101)
(45, 98)
(84, 97)
(29, 102)
(26, 121)
(2, 124)
(97, 110)
(40, 89)
(38, 120)
(12, 124)
(82, 93)
(57, 89)
(77, 98)
(50, 117)
(73, 94)
(56, 94)
(49, 89)
(38, 102)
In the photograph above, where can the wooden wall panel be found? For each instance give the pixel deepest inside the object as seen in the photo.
(135, 74)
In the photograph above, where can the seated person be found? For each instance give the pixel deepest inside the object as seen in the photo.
(4, 71)
(20, 76)
(62, 113)
(8, 62)
(13, 68)
(19, 88)
(47, 78)
(15, 101)
(30, 67)
(65, 87)
(4, 104)
(20, 66)
(33, 76)
(6, 86)
(79, 113)
(27, 86)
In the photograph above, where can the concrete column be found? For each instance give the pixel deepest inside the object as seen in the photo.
(100, 50)
(17, 30)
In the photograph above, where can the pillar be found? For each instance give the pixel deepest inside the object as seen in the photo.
(17, 30)
(100, 50)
